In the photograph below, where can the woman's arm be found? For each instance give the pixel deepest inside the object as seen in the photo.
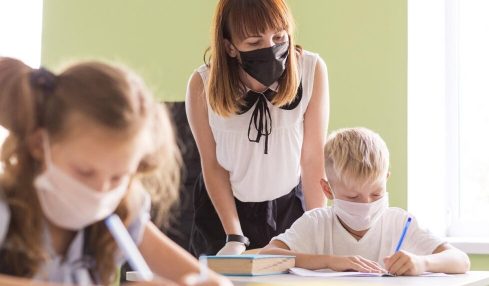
(216, 177)
(170, 261)
(315, 129)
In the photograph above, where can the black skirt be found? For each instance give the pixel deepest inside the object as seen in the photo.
(260, 221)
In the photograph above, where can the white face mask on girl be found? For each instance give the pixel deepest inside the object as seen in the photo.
(70, 204)
(360, 216)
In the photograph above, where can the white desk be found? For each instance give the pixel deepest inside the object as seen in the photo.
(472, 278)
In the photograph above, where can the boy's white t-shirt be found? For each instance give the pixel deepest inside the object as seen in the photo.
(319, 231)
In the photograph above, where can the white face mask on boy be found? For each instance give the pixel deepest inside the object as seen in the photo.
(360, 216)
(70, 204)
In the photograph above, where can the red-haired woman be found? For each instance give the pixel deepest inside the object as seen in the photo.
(258, 110)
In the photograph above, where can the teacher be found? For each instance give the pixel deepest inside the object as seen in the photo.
(258, 110)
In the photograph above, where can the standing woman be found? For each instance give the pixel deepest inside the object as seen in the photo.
(258, 110)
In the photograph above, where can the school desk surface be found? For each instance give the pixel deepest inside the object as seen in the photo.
(472, 278)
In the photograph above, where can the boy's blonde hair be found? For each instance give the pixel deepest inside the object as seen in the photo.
(356, 154)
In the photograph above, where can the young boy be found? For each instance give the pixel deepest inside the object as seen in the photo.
(360, 231)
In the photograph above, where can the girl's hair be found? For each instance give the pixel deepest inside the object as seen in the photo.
(235, 20)
(108, 95)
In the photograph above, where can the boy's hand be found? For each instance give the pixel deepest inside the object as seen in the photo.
(355, 263)
(404, 263)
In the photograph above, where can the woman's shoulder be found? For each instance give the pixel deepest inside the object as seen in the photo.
(202, 69)
(198, 77)
(196, 85)
(310, 62)
(310, 56)
(203, 72)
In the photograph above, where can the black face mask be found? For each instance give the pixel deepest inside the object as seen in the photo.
(266, 65)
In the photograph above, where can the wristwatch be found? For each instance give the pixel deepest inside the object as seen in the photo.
(239, 238)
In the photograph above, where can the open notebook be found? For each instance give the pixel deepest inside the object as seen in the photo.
(331, 273)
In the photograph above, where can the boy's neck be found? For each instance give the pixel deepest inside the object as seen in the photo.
(357, 234)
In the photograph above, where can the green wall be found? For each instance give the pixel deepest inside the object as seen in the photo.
(163, 40)
(364, 44)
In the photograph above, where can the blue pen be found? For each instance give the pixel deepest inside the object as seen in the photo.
(401, 239)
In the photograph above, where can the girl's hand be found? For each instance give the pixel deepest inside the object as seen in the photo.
(404, 263)
(213, 280)
(355, 263)
(156, 282)
(152, 284)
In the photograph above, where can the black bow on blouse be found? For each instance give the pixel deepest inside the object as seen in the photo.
(261, 118)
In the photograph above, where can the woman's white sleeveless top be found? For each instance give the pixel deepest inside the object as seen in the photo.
(254, 175)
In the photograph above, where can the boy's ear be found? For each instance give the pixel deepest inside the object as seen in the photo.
(326, 189)
(230, 49)
(388, 174)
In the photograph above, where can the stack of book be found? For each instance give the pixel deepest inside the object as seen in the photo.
(250, 264)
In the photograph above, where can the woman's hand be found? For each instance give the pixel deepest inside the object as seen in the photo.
(232, 248)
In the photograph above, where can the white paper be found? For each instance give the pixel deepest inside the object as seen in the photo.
(331, 273)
